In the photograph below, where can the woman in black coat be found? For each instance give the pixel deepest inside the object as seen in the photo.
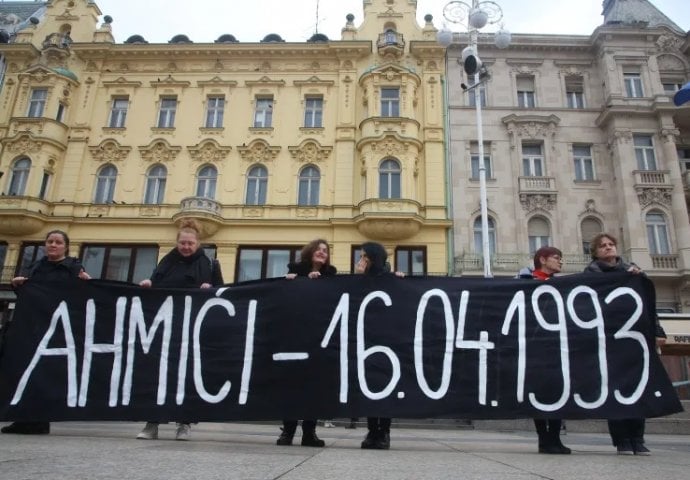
(627, 434)
(315, 262)
(55, 266)
(185, 266)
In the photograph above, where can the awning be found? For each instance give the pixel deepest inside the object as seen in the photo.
(677, 327)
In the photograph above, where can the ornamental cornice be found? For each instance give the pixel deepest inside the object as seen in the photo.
(265, 81)
(258, 151)
(390, 142)
(22, 144)
(654, 195)
(313, 81)
(170, 82)
(530, 126)
(109, 151)
(121, 82)
(216, 82)
(310, 151)
(159, 150)
(209, 150)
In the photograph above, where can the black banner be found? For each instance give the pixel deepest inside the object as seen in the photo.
(578, 346)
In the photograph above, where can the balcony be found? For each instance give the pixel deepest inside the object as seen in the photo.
(389, 219)
(664, 262)
(391, 43)
(537, 193)
(204, 210)
(509, 264)
(651, 178)
(40, 127)
(21, 215)
(537, 184)
(7, 274)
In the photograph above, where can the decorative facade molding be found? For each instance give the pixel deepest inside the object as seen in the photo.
(22, 145)
(159, 150)
(531, 202)
(654, 195)
(531, 127)
(209, 151)
(109, 151)
(310, 151)
(258, 151)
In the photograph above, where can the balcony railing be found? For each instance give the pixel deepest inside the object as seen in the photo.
(390, 39)
(513, 262)
(651, 177)
(537, 184)
(665, 262)
(200, 205)
(7, 274)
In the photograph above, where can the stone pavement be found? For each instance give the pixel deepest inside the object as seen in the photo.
(245, 451)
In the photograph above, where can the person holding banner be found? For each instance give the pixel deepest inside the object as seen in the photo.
(185, 266)
(627, 434)
(55, 266)
(314, 263)
(373, 262)
(547, 262)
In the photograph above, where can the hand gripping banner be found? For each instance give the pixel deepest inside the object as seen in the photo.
(578, 346)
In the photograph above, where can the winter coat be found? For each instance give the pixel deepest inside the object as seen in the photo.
(176, 271)
(44, 269)
(303, 269)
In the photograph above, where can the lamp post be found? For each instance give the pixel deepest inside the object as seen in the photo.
(474, 16)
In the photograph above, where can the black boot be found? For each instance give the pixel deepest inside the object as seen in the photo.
(27, 428)
(309, 439)
(371, 440)
(556, 443)
(384, 441)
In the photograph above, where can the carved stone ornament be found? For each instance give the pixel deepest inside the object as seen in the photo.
(310, 152)
(389, 146)
(531, 202)
(109, 151)
(209, 151)
(159, 151)
(23, 145)
(648, 196)
(668, 43)
(258, 151)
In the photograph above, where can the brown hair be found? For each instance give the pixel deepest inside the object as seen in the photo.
(594, 243)
(545, 252)
(189, 225)
(64, 237)
(309, 249)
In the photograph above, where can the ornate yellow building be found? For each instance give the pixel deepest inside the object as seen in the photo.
(267, 144)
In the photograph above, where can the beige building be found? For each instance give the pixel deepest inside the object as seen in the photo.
(269, 145)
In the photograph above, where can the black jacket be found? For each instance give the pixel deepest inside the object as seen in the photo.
(44, 269)
(176, 271)
(304, 268)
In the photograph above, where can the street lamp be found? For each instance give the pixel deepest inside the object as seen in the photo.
(474, 16)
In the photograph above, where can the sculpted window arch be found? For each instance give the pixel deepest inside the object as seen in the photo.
(257, 184)
(589, 227)
(309, 182)
(19, 177)
(155, 185)
(389, 179)
(206, 179)
(105, 184)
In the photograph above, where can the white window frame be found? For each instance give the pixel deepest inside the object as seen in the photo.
(390, 101)
(645, 154)
(390, 178)
(309, 185)
(478, 238)
(263, 112)
(257, 185)
(533, 165)
(37, 102)
(156, 178)
(118, 112)
(215, 109)
(657, 233)
(206, 181)
(633, 85)
(313, 112)
(105, 184)
(167, 112)
(581, 162)
(19, 179)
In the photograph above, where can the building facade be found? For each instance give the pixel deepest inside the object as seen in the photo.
(268, 144)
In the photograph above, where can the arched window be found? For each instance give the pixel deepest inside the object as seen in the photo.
(105, 184)
(309, 180)
(20, 177)
(206, 182)
(257, 182)
(477, 229)
(389, 179)
(155, 185)
(657, 233)
(589, 227)
(539, 233)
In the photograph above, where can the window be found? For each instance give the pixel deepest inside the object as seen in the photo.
(257, 182)
(263, 114)
(155, 185)
(214, 112)
(206, 182)
(574, 92)
(644, 152)
(410, 260)
(19, 177)
(390, 102)
(389, 179)
(45, 184)
(633, 85)
(62, 109)
(120, 262)
(589, 227)
(166, 115)
(684, 158)
(525, 92)
(477, 231)
(37, 103)
(105, 184)
(471, 93)
(532, 160)
(474, 160)
(539, 234)
(356, 253)
(118, 112)
(584, 165)
(5, 275)
(255, 263)
(30, 252)
(309, 179)
(671, 87)
(313, 112)
(657, 233)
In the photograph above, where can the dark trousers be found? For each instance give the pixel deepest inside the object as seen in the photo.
(290, 426)
(627, 429)
(548, 430)
(379, 423)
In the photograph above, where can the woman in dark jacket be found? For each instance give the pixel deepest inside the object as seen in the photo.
(315, 262)
(547, 262)
(185, 266)
(373, 262)
(627, 434)
(55, 266)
